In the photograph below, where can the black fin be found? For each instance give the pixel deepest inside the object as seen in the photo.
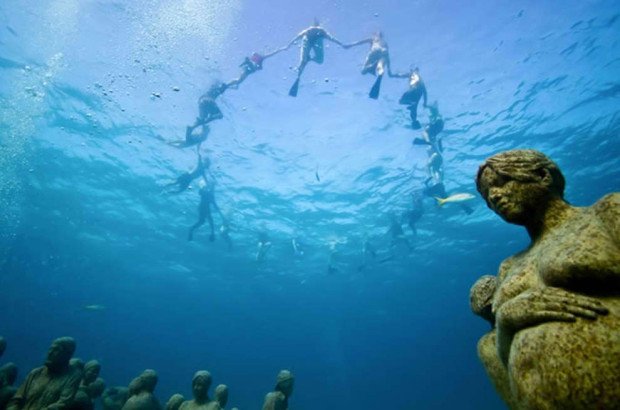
(293, 91)
(376, 88)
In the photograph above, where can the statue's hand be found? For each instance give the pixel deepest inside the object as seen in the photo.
(547, 304)
(538, 306)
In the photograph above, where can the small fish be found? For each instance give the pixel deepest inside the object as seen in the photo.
(316, 175)
(454, 198)
(94, 308)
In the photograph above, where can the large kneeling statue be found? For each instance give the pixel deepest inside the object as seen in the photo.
(555, 306)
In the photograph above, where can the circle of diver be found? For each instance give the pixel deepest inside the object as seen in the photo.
(377, 63)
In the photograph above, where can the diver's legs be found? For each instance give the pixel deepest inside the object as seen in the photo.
(413, 114)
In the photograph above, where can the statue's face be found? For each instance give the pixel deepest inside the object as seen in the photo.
(287, 386)
(56, 354)
(91, 373)
(200, 387)
(514, 201)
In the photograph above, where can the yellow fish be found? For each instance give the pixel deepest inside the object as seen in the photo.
(454, 198)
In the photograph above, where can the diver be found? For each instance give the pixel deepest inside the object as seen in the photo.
(181, 183)
(311, 49)
(412, 96)
(430, 135)
(207, 201)
(377, 61)
(193, 136)
(264, 244)
(415, 213)
(434, 167)
(397, 234)
(208, 109)
(251, 65)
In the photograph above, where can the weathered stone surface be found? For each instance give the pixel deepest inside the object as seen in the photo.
(557, 303)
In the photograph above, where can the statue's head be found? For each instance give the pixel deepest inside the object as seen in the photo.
(60, 353)
(285, 382)
(201, 382)
(96, 388)
(516, 183)
(91, 371)
(8, 372)
(148, 380)
(221, 395)
(175, 401)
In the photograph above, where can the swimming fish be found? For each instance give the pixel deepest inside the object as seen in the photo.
(94, 308)
(454, 198)
(316, 174)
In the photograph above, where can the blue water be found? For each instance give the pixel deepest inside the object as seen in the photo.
(83, 158)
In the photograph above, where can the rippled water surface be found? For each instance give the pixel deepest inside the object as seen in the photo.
(91, 91)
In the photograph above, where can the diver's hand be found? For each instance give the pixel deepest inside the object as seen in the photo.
(547, 304)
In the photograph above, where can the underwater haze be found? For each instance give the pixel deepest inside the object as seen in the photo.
(91, 92)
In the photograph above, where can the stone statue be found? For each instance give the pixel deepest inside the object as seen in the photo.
(77, 363)
(8, 375)
(141, 392)
(114, 398)
(92, 368)
(51, 386)
(221, 395)
(2, 345)
(278, 399)
(200, 389)
(175, 402)
(556, 304)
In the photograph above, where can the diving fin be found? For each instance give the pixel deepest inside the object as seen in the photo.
(376, 87)
(293, 91)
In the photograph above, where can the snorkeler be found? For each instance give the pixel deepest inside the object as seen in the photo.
(397, 234)
(416, 211)
(251, 65)
(412, 96)
(263, 246)
(377, 61)
(208, 109)
(434, 167)
(311, 49)
(207, 201)
(430, 135)
(181, 183)
(193, 136)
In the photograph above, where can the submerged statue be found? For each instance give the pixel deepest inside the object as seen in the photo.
(278, 399)
(8, 375)
(141, 392)
(114, 398)
(175, 402)
(555, 306)
(53, 385)
(201, 382)
(221, 395)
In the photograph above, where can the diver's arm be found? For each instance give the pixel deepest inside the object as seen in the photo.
(398, 75)
(358, 43)
(331, 38)
(273, 53)
(297, 37)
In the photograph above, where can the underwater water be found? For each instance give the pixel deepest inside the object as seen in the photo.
(92, 91)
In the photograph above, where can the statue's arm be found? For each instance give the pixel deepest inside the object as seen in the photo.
(497, 372)
(541, 305)
(608, 210)
(19, 399)
(67, 394)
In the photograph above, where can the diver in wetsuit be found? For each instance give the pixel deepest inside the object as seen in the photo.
(193, 136)
(207, 201)
(311, 49)
(430, 135)
(251, 65)
(181, 183)
(411, 97)
(377, 60)
(208, 109)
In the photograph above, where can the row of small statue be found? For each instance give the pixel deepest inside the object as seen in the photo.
(66, 383)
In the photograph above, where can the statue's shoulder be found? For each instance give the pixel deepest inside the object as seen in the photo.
(607, 209)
